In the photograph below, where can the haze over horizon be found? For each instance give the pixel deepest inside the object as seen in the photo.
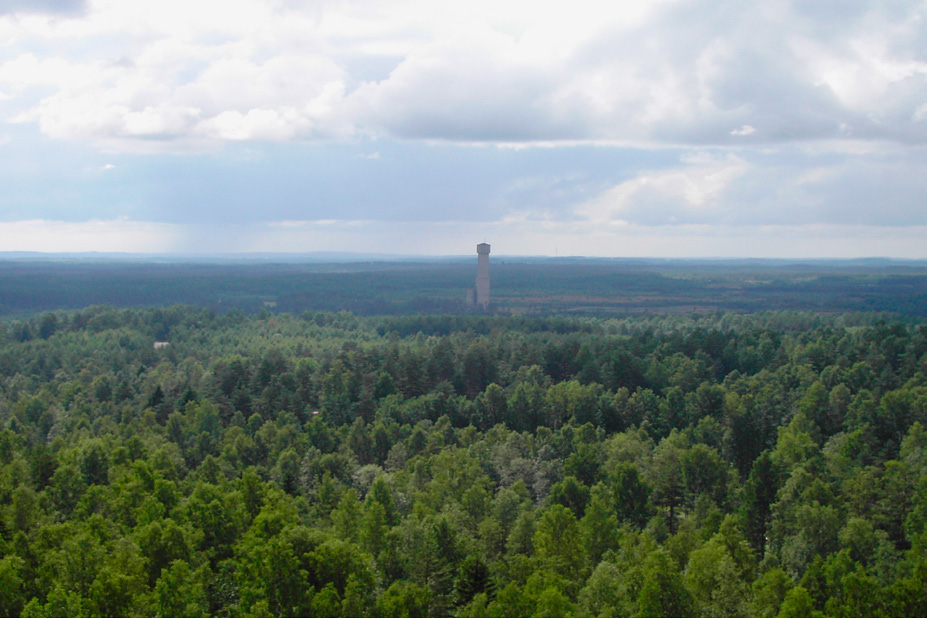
(668, 128)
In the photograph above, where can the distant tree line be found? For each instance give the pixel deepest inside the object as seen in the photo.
(580, 287)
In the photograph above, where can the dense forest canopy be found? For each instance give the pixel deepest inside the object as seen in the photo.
(336, 465)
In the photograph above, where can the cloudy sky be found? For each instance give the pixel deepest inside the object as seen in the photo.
(642, 128)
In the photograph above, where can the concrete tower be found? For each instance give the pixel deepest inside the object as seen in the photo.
(482, 275)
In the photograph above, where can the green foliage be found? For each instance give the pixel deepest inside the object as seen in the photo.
(663, 592)
(769, 592)
(570, 493)
(403, 600)
(11, 584)
(473, 578)
(339, 466)
(715, 580)
(601, 596)
(558, 543)
(599, 525)
(798, 604)
(630, 495)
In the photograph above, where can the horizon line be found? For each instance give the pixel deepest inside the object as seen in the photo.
(343, 256)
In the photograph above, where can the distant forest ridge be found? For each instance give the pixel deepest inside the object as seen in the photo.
(312, 257)
(31, 283)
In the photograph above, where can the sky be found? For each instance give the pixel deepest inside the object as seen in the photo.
(647, 128)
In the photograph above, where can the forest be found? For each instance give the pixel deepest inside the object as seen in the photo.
(429, 286)
(333, 464)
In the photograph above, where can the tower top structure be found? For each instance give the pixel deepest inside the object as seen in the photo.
(482, 248)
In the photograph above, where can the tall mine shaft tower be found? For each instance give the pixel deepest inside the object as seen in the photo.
(482, 275)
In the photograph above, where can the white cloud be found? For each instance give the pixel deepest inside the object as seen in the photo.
(659, 72)
(477, 87)
(776, 188)
(285, 98)
(693, 192)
